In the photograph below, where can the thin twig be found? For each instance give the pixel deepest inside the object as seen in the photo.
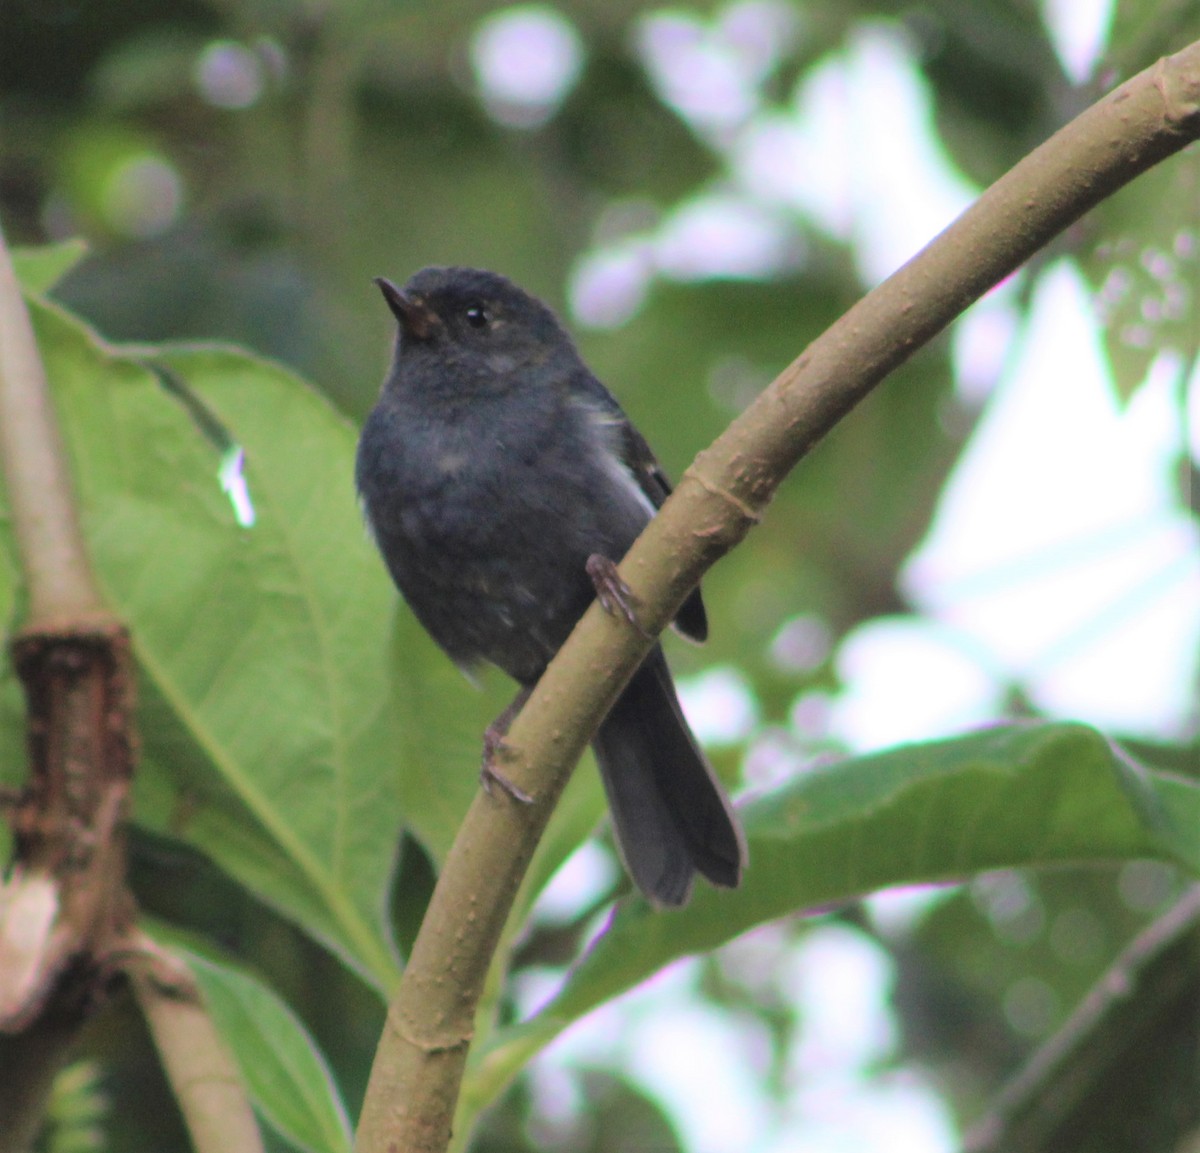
(1116, 985)
(203, 1075)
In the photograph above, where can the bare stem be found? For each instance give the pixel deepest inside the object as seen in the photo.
(202, 1073)
(61, 586)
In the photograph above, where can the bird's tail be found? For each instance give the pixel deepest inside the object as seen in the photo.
(671, 815)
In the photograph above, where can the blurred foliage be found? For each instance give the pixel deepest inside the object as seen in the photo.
(75, 1121)
(293, 716)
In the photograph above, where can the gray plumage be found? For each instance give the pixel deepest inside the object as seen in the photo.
(492, 467)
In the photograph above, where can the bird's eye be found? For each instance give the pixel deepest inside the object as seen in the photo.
(477, 316)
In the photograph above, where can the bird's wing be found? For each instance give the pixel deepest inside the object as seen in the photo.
(635, 454)
(638, 457)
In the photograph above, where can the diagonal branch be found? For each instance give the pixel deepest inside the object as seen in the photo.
(418, 1068)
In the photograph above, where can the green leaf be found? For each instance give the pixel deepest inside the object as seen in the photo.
(40, 269)
(77, 1111)
(1142, 31)
(267, 733)
(286, 682)
(1144, 269)
(440, 720)
(285, 1073)
(1020, 795)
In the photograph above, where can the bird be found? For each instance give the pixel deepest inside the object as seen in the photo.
(502, 483)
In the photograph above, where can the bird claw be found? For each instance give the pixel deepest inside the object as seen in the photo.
(489, 775)
(614, 595)
(493, 745)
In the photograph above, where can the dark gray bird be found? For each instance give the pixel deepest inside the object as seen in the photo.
(502, 481)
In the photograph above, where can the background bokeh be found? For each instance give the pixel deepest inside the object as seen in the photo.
(1008, 527)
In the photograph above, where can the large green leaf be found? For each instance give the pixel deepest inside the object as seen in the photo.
(263, 652)
(1142, 30)
(1037, 794)
(294, 685)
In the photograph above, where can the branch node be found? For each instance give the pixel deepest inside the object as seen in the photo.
(1180, 104)
(430, 1046)
(749, 514)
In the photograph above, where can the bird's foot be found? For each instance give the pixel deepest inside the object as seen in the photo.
(494, 746)
(489, 775)
(614, 595)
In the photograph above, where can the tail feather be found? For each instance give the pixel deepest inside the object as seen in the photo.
(671, 815)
